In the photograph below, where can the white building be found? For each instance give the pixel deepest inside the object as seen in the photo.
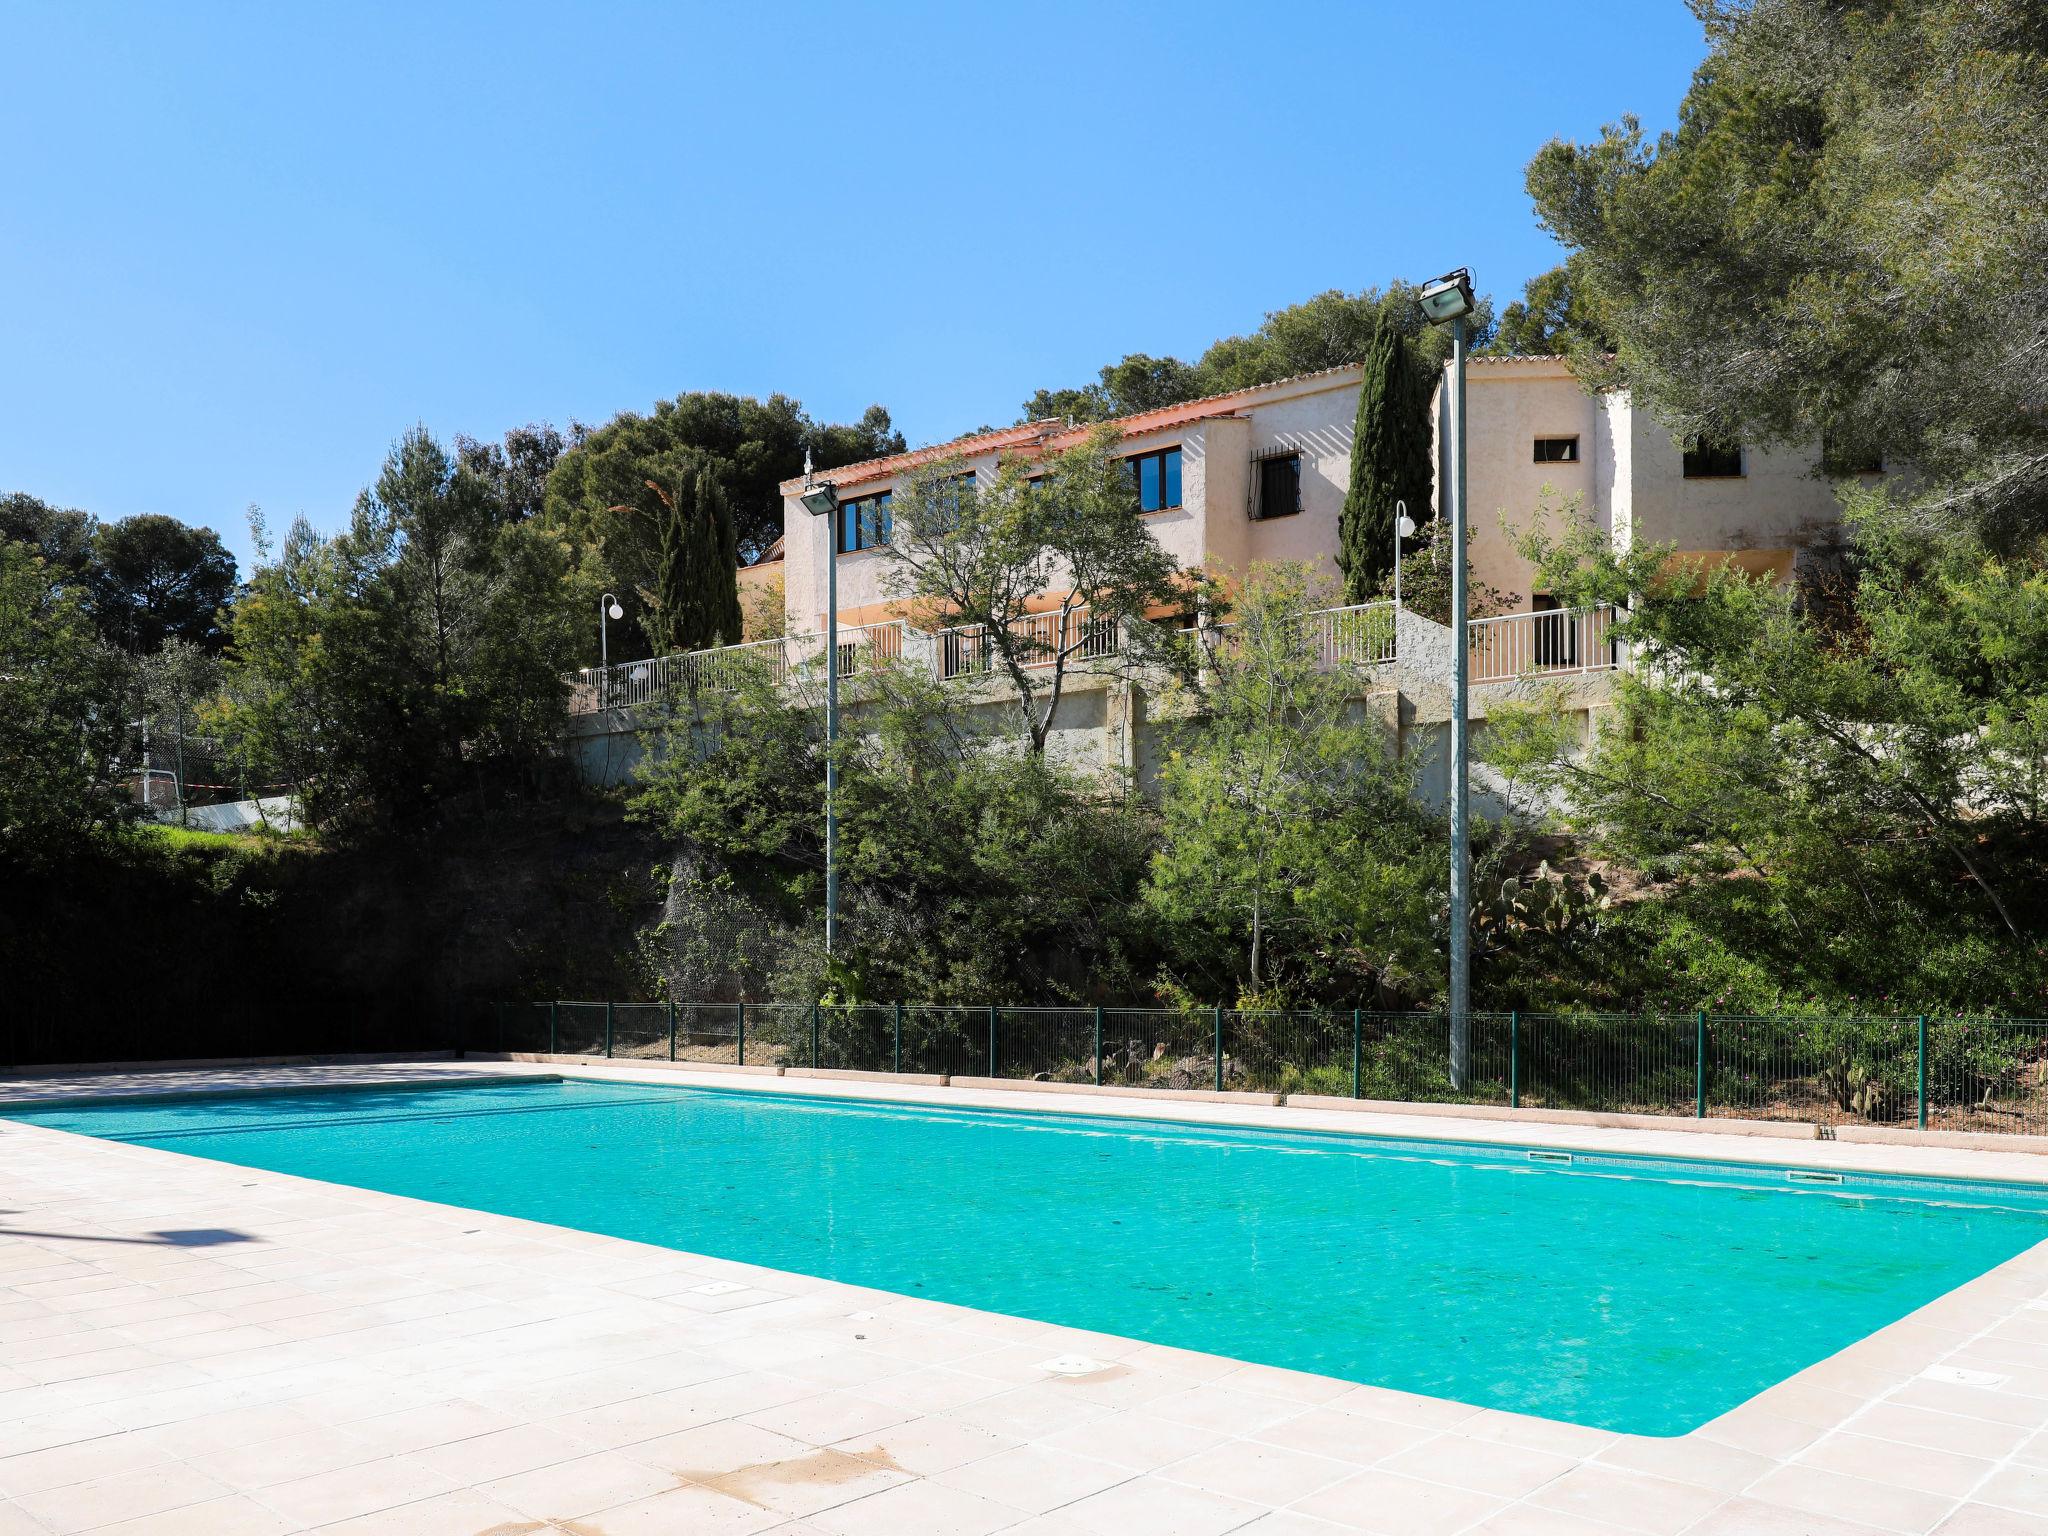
(1261, 474)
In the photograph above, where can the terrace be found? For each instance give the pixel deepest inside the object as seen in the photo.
(1511, 648)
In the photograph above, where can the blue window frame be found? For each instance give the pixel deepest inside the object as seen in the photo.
(863, 524)
(1158, 477)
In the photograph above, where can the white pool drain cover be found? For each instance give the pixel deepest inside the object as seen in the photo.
(717, 1288)
(1955, 1375)
(1073, 1365)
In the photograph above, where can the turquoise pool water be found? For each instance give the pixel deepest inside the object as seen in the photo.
(1626, 1294)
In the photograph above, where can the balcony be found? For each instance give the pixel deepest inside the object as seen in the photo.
(1341, 637)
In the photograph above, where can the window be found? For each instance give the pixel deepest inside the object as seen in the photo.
(1713, 461)
(1158, 477)
(1556, 637)
(864, 524)
(1841, 458)
(1557, 450)
(1276, 486)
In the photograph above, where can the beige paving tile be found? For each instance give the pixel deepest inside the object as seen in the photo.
(1150, 1506)
(1508, 1471)
(237, 1515)
(2017, 1487)
(828, 1417)
(1901, 1466)
(1391, 1505)
(1752, 1517)
(1351, 1437)
(931, 1509)
(927, 1446)
(1534, 1520)
(446, 1514)
(1982, 1520)
(686, 1511)
(1034, 1480)
(1258, 1472)
(265, 1462)
(358, 1490)
(1137, 1440)
(1688, 1459)
(119, 1495)
(77, 1462)
(1851, 1498)
(1634, 1501)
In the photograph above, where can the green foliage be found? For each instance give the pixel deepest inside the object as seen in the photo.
(63, 536)
(1390, 461)
(416, 655)
(967, 872)
(696, 594)
(1552, 317)
(516, 471)
(1805, 783)
(153, 579)
(1844, 239)
(597, 493)
(1295, 858)
(1331, 330)
(994, 554)
(59, 740)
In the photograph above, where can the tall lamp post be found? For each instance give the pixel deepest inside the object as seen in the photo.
(607, 608)
(1447, 300)
(821, 500)
(1404, 528)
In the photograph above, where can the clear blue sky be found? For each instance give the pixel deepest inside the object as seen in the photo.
(245, 246)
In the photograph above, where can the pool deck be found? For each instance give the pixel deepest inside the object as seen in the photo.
(195, 1349)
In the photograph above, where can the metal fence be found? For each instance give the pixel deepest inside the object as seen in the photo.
(1958, 1074)
(1522, 645)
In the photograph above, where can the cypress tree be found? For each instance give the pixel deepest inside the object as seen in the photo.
(1389, 461)
(718, 583)
(696, 578)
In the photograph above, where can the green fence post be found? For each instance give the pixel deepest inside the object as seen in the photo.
(554, 1012)
(671, 1029)
(1699, 1071)
(1514, 1058)
(1219, 1047)
(1357, 1046)
(814, 1037)
(991, 1039)
(1923, 1071)
(1098, 1045)
(899, 1037)
(607, 1031)
(742, 1032)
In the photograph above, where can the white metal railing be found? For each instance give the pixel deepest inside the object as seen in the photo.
(1518, 645)
(963, 650)
(1341, 637)
(1362, 635)
(1359, 636)
(723, 669)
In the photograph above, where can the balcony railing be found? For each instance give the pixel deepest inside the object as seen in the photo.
(1340, 637)
(1522, 645)
(965, 650)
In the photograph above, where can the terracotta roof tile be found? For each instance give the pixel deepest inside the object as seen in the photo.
(1056, 433)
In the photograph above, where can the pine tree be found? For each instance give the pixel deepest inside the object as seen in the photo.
(1389, 462)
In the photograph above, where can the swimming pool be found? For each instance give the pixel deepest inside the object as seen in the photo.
(1623, 1293)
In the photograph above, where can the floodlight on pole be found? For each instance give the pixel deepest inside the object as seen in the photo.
(820, 499)
(1447, 300)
